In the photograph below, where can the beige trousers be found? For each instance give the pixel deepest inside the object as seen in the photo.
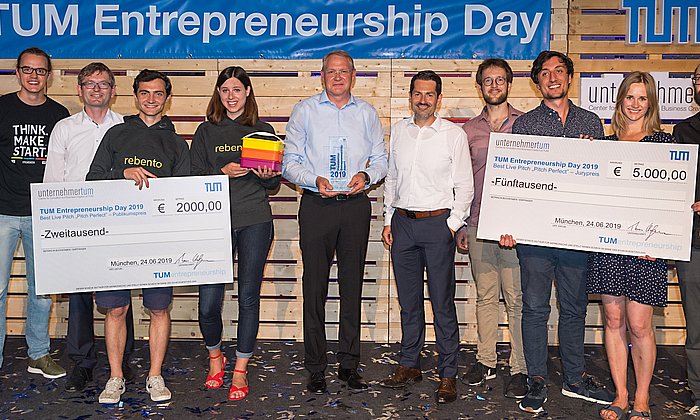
(496, 270)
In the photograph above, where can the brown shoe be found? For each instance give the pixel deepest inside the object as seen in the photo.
(447, 391)
(401, 377)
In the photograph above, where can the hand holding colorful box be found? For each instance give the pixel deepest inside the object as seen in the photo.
(261, 149)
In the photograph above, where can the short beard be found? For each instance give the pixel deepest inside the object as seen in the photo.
(422, 117)
(697, 96)
(498, 100)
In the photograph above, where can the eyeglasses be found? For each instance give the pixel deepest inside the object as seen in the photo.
(500, 81)
(39, 71)
(341, 73)
(91, 85)
(696, 80)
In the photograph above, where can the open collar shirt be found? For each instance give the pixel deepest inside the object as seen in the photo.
(314, 121)
(478, 132)
(73, 143)
(429, 169)
(545, 121)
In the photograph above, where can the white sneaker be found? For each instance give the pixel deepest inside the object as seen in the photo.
(113, 391)
(694, 410)
(155, 385)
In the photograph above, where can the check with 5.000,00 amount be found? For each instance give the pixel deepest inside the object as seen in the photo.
(607, 196)
(107, 235)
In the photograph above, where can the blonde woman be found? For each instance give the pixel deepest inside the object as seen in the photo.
(630, 286)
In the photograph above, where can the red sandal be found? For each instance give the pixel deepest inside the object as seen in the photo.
(218, 378)
(234, 388)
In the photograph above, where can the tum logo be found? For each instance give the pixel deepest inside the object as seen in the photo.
(681, 12)
(212, 186)
(607, 240)
(680, 155)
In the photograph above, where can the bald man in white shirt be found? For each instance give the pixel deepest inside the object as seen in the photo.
(427, 195)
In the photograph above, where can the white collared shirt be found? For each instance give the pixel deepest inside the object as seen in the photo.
(429, 169)
(73, 143)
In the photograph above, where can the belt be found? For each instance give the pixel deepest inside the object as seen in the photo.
(339, 197)
(421, 214)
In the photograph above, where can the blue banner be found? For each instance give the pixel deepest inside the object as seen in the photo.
(279, 29)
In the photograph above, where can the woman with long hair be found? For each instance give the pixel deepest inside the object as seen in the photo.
(232, 114)
(631, 286)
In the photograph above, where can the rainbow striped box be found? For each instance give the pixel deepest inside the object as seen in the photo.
(262, 149)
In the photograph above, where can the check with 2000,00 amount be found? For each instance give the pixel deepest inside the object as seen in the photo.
(606, 196)
(107, 235)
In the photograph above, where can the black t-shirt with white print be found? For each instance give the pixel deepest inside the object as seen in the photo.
(24, 144)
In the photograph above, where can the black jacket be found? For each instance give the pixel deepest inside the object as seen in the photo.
(688, 132)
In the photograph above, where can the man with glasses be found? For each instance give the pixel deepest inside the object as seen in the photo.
(73, 143)
(688, 132)
(27, 118)
(334, 151)
(495, 269)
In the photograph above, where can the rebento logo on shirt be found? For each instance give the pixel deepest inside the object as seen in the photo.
(227, 148)
(143, 162)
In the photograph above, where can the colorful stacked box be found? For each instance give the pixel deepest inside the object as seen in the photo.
(261, 149)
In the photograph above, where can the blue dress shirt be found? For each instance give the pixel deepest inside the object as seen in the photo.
(314, 121)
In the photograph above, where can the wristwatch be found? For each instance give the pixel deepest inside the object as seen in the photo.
(366, 177)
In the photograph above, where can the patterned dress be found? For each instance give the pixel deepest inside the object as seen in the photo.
(639, 280)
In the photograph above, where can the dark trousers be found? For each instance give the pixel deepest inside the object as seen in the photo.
(327, 227)
(689, 280)
(421, 244)
(252, 244)
(80, 342)
(538, 267)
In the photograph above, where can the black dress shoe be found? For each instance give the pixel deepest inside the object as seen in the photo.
(127, 372)
(317, 382)
(353, 379)
(78, 379)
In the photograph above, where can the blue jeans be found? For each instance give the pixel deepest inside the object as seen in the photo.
(38, 307)
(538, 267)
(252, 244)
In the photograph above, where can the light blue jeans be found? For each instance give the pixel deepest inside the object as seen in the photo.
(38, 307)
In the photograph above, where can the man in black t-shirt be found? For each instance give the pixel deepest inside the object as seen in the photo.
(26, 120)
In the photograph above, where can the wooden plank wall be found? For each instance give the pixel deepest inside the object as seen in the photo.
(588, 30)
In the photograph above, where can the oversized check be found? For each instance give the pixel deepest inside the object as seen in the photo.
(104, 235)
(608, 196)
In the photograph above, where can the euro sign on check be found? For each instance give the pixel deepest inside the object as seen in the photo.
(630, 198)
(109, 235)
